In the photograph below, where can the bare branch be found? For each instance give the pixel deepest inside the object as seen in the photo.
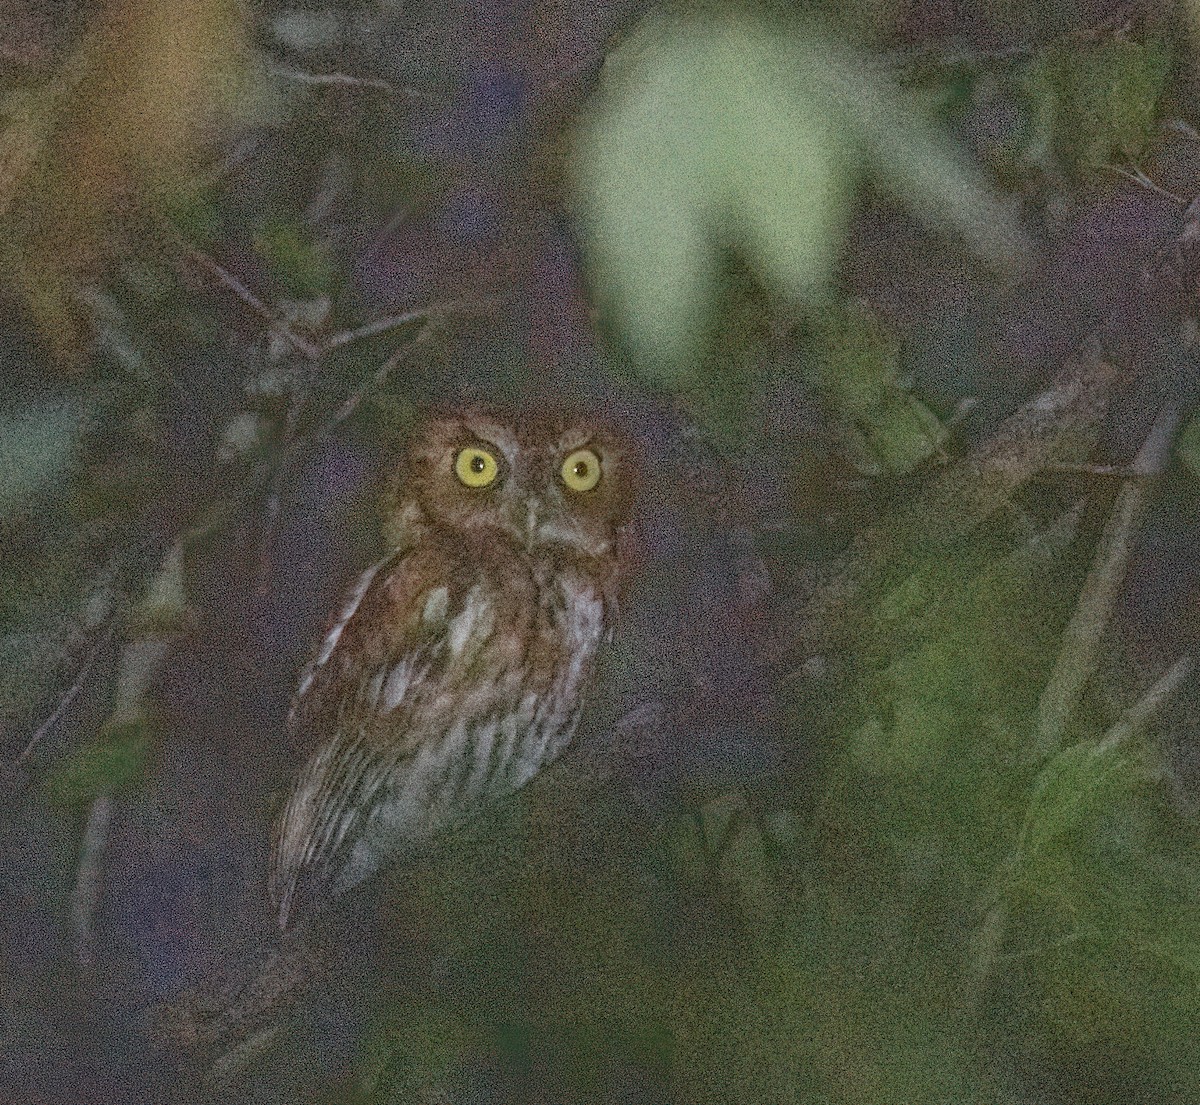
(1139, 177)
(69, 696)
(380, 377)
(1056, 424)
(1140, 713)
(1081, 641)
(89, 879)
(380, 326)
(348, 80)
(224, 277)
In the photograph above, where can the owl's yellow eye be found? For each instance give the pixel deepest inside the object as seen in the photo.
(475, 467)
(581, 470)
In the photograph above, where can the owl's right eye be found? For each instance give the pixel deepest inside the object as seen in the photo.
(475, 467)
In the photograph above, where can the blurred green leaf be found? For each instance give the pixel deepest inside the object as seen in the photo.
(1093, 106)
(736, 133)
(725, 844)
(415, 1056)
(113, 761)
(962, 644)
(300, 264)
(37, 442)
(700, 144)
(856, 369)
(1187, 446)
(1067, 791)
(651, 182)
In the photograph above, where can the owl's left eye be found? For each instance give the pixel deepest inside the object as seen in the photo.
(581, 470)
(475, 467)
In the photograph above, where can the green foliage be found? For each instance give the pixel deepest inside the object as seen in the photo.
(723, 846)
(734, 133)
(113, 761)
(194, 213)
(37, 443)
(1187, 447)
(1099, 898)
(1095, 106)
(856, 369)
(414, 1055)
(961, 905)
(1052, 904)
(301, 265)
(745, 1035)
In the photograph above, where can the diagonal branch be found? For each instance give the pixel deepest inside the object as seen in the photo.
(1057, 424)
(71, 693)
(1082, 639)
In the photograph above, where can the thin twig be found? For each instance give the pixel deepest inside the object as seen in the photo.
(1140, 713)
(380, 326)
(302, 345)
(989, 937)
(1142, 180)
(1082, 638)
(241, 1054)
(986, 948)
(952, 54)
(297, 401)
(69, 696)
(962, 410)
(379, 378)
(431, 315)
(348, 80)
(1085, 468)
(1182, 128)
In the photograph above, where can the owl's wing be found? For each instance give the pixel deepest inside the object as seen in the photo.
(372, 665)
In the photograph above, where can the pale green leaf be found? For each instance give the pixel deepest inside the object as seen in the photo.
(647, 187)
(37, 442)
(698, 145)
(910, 155)
(735, 133)
(786, 168)
(1066, 791)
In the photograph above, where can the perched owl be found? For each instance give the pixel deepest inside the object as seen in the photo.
(457, 665)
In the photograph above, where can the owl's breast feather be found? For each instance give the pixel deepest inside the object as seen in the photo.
(430, 701)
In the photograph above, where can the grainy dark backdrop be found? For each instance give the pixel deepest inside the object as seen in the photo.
(820, 839)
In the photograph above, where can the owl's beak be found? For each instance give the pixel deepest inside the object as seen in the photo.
(533, 521)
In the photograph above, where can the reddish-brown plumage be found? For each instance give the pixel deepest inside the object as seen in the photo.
(456, 668)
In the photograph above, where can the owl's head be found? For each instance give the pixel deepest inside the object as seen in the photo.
(544, 481)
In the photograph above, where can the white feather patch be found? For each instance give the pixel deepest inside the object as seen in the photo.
(349, 609)
(472, 625)
(396, 687)
(436, 604)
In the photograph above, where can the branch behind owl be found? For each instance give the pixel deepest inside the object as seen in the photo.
(230, 1024)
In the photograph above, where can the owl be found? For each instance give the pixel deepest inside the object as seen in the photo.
(456, 668)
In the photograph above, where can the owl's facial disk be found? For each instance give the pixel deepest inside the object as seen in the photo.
(546, 484)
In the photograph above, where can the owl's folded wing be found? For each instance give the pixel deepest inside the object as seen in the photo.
(354, 698)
